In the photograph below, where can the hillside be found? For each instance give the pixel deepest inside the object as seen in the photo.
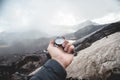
(84, 29)
(87, 30)
(100, 61)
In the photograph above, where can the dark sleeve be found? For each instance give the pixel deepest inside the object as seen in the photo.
(51, 70)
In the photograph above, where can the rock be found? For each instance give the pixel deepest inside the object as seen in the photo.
(18, 67)
(100, 61)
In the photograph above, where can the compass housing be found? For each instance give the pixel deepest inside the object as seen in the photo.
(59, 41)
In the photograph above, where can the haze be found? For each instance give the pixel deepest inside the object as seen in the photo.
(53, 17)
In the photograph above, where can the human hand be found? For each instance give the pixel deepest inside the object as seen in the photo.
(62, 55)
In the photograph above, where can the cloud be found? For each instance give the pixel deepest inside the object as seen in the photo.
(118, 0)
(40, 15)
(1, 4)
(1, 1)
(109, 18)
(52, 16)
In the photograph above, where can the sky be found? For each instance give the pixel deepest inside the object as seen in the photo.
(55, 16)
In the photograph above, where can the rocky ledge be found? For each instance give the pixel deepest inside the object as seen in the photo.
(100, 61)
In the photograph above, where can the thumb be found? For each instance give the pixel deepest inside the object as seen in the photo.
(52, 42)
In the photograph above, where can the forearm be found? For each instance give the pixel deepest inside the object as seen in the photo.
(51, 70)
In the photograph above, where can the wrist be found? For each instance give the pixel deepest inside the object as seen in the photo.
(61, 62)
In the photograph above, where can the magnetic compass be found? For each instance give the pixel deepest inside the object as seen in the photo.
(59, 41)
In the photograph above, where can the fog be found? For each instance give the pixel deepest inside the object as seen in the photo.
(24, 22)
(51, 16)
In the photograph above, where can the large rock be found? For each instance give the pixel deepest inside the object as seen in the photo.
(100, 61)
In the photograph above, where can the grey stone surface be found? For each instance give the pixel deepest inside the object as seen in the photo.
(99, 61)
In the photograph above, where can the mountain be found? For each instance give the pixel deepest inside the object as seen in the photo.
(87, 30)
(82, 29)
(19, 36)
(83, 24)
(25, 46)
(22, 42)
(98, 56)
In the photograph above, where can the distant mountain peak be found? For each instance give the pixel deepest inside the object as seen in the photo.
(84, 24)
(88, 22)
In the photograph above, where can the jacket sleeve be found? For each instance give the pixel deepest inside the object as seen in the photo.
(51, 70)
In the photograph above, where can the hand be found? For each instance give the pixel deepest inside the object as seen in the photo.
(62, 55)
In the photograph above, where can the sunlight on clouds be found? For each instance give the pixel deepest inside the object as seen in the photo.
(17, 19)
(109, 18)
(63, 22)
(20, 17)
(62, 18)
(1, 30)
(3, 25)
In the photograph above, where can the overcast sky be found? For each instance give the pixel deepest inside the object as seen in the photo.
(50, 15)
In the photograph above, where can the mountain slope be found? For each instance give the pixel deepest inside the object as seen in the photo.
(100, 61)
(87, 30)
(83, 29)
(82, 25)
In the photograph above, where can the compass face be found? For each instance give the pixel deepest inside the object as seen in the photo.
(59, 40)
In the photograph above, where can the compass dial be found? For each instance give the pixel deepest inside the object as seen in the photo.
(59, 40)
